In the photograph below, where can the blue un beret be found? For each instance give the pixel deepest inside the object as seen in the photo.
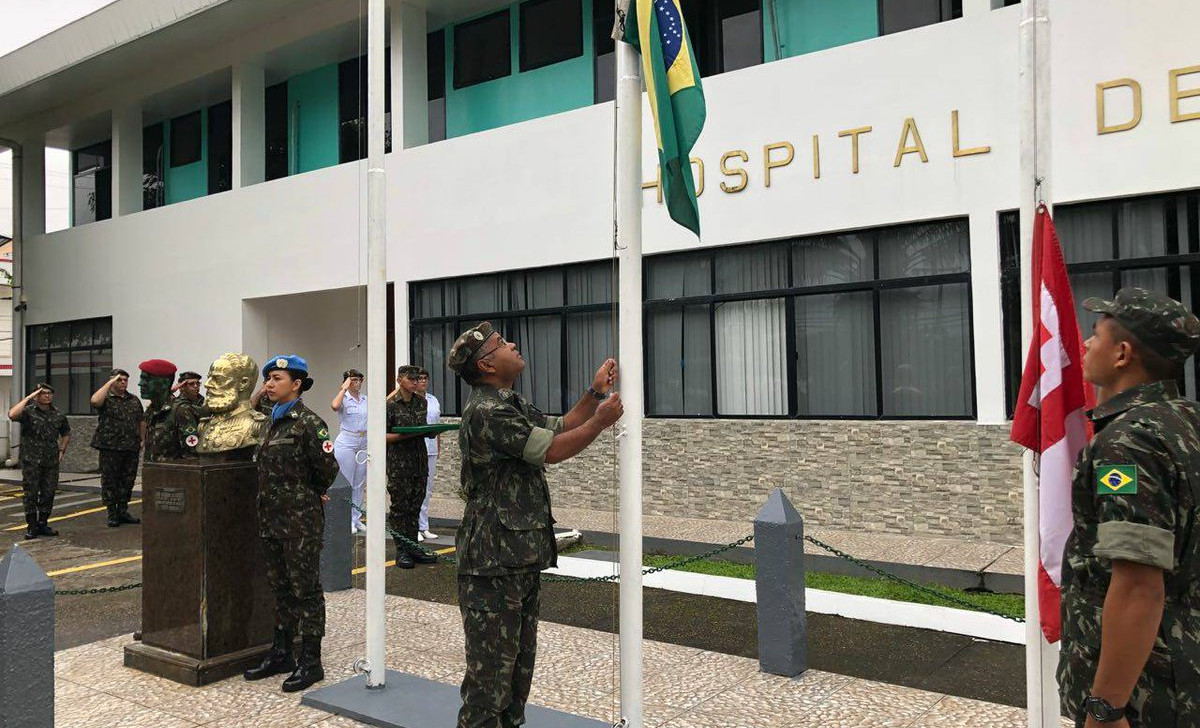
(290, 363)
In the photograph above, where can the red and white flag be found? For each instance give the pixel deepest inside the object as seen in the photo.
(1049, 417)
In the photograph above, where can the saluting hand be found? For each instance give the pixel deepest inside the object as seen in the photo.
(610, 410)
(606, 376)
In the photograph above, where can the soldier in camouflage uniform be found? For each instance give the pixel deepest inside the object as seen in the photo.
(407, 468)
(506, 536)
(1131, 567)
(187, 389)
(296, 466)
(118, 438)
(45, 433)
(170, 421)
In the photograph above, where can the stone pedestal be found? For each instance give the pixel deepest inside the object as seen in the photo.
(207, 612)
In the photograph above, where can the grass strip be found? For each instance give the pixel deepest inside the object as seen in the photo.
(1012, 605)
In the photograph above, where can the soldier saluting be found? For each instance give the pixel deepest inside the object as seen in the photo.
(119, 433)
(506, 536)
(1131, 567)
(45, 433)
(296, 466)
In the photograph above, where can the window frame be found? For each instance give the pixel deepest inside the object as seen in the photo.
(523, 64)
(790, 293)
(460, 28)
(508, 313)
(947, 10)
(1177, 264)
(199, 131)
(48, 353)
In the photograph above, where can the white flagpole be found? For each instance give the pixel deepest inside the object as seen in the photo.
(628, 181)
(376, 347)
(1041, 689)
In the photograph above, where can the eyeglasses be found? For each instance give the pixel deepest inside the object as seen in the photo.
(500, 344)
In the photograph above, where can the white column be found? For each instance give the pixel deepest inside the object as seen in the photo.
(127, 160)
(400, 310)
(249, 125)
(987, 317)
(33, 186)
(410, 82)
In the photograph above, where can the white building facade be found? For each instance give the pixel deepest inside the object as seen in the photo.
(845, 327)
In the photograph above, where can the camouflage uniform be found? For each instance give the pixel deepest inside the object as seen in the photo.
(407, 467)
(296, 466)
(40, 433)
(171, 431)
(1135, 497)
(118, 438)
(505, 539)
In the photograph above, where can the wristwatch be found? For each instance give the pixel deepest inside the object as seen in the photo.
(592, 391)
(1102, 711)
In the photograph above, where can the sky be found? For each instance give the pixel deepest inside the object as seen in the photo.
(24, 21)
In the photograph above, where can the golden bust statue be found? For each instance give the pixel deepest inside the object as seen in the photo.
(232, 423)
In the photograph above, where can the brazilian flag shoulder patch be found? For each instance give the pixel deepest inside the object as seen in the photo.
(1116, 479)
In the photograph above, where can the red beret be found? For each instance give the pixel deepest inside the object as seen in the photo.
(158, 368)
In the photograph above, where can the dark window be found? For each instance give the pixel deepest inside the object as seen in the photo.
(276, 131)
(860, 325)
(560, 318)
(92, 183)
(352, 108)
(605, 65)
(896, 16)
(74, 357)
(153, 185)
(726, 34)
(185, 139)
(1152, 242)
(435, 64)
(220, 147)
(482, 50)
(551, 31)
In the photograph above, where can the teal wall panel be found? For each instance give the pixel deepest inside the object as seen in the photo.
(520, 96)
(191, 180)
(812, 25)
(313, 119)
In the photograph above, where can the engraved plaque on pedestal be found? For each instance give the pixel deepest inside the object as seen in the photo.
(207, 612)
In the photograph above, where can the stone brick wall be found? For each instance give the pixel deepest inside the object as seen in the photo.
(949, 478)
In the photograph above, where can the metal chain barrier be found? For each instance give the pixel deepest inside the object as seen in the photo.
(98, 590)
(919, 587)
(577, 579)
(675, 564)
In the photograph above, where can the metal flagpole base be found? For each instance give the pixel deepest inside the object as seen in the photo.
(408, 701)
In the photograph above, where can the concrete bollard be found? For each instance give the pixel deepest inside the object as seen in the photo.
(26, 642)
(337, 552)
(779, 581)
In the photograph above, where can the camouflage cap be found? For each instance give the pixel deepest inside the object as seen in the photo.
(1162, 324)
(467, 345)
(408, 371)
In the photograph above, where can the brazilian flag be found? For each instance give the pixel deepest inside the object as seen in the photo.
(656, 29)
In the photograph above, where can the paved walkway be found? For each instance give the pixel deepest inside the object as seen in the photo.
(684, 688)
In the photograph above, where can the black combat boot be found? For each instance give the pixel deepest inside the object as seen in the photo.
(113, 519)
(43, 529)
(421, 556)
(309, 670)
(403, 559)
(278, 661)
(31, 528)
(123, 514)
